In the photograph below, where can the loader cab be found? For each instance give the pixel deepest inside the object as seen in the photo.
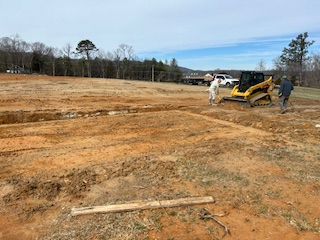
(249, 79)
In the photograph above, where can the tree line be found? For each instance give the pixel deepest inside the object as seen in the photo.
(85, 60)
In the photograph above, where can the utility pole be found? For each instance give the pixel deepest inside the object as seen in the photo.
(152, 73)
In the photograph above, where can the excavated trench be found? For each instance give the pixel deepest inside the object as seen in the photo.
(14, 117)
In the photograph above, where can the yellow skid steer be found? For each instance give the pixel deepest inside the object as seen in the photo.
(254, 89)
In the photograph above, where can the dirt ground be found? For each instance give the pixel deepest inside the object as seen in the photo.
(76, 142)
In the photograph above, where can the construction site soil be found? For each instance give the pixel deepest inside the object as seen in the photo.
(77, 142)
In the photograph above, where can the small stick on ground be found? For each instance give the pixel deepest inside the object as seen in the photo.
(204, 213)
(292, 106)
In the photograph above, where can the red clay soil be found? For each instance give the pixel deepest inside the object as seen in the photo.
(75, 142)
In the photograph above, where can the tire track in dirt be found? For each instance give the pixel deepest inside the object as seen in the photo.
(228, 124)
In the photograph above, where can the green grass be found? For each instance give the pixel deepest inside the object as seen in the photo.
(308, 93)
(303, 92)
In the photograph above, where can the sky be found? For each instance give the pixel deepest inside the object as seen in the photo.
(199, 34)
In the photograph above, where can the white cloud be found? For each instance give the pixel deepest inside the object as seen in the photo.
(158, 26)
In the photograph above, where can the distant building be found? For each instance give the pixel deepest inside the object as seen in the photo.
(16, 69)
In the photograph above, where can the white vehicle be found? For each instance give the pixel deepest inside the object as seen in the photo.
(226, 80)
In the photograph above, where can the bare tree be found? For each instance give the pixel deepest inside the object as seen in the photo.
(67, 52)
(52, 55)
(117, 61)
(122, 57)
(102, 59)
(126, 51)
(261, 66)
(14, 52)
(314, 71)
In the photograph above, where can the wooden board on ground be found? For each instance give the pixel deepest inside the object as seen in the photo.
(141, 205)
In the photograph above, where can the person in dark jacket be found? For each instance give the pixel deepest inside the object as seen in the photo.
(284, 93)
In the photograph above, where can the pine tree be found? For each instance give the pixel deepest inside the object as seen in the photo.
(85, 47)
(296, 54)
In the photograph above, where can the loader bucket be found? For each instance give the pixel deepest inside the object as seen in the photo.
(235, 103)
(235, 99)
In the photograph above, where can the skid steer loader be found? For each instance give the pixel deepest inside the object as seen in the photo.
(254, 89)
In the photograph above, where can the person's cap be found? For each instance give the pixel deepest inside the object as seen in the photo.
(284, 76)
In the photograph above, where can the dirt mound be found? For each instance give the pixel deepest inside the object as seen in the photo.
(49, 187)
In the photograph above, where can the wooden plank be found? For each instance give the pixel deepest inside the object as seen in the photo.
(141, 205)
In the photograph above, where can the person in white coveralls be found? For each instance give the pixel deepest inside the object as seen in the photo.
(213, 91)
